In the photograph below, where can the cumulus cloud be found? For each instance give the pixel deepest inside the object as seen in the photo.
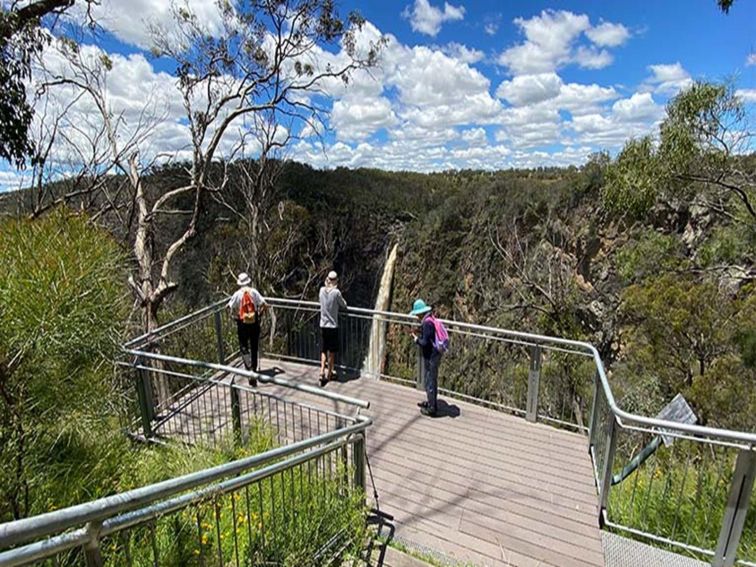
(428, 19)
(530, 89)
(133, 25)
(607, 34)
(751, 59)
(592, 58)
(548, 42)
(463, 53)
(475, 137)
(746, 95)
(552, 40)
(667, 79)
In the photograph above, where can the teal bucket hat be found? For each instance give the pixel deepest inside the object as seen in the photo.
(420, 307)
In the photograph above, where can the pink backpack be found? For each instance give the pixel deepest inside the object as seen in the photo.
(441, 342)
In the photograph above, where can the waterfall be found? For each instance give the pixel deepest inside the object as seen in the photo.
(372, 366)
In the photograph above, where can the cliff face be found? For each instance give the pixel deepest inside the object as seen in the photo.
(668, 299)
(536, 252)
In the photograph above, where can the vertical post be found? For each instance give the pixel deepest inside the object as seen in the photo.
(594, 411)
(235, 411)
(420, 383)
(737, 509)
(144, 397)
(219, 337)
(92, 553)
(534, 379)
(358, 451)
(606, 473)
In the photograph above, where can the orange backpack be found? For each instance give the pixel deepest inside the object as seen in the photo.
(247, 313)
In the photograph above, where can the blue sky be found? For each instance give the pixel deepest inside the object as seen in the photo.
(475, 84)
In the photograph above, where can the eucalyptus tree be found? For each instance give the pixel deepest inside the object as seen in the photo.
(699, 158)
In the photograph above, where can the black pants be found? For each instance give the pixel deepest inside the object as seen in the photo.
(249, 339)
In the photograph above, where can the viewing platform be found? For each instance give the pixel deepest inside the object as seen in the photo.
(473, 484)
(530, 462)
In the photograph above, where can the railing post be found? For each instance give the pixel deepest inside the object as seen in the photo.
(420, 383)
(534, 379)
(594, 411)
(737, 509)
(358, 453)
(236, 411)
(606, 473)
(219, 337)
(144, 397)
(92, 553)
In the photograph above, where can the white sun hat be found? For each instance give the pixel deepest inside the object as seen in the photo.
(333, 276)
(243, 279)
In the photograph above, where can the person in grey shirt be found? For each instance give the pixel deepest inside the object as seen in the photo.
(331, 301)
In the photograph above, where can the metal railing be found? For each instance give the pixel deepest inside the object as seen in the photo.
(250, 511)
(693, 495)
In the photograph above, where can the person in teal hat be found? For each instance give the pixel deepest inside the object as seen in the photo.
(431, 357)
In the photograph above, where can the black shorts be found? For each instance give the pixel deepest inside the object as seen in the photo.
(329, 340)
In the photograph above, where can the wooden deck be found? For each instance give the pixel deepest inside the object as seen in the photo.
(475, 485)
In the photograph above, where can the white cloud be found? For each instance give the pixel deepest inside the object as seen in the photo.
(491, 28)
(356, 118)
(132, 25)
(746, 95)
(552, 40)
(667, 79)
(592, 58)
(639, 107)
(530, 89)
(475, 137)
(631, 117)
(751, 59)
(548, 45)
(607, 34)
(428, 19)
(463, 53)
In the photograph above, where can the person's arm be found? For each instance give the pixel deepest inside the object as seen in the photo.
(342, 301)
(230, 304)
(261, 302)
(427, 335)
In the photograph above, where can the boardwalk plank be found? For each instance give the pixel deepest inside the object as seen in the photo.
(484, 487)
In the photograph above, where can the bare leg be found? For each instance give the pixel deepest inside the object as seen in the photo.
(331, 364)
(322, 363)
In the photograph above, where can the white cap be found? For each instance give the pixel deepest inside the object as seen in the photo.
(243, 279)
(333, 276)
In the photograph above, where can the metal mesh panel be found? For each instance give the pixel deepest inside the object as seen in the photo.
(622, 552)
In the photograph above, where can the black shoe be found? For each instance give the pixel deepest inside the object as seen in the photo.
(323, 380)
(422, 404)
(253, 382)
(430, 412)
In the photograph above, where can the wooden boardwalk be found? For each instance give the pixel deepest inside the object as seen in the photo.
(475, 485)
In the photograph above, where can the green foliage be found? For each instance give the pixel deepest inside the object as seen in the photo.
(706, 126)
(729, 244)
(633, 180)
(651, 254)
(62, 311)
(680, 493)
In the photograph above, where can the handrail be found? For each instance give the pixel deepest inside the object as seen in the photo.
(625, 417)
(746, 439)
(250, 374)
(19, 531)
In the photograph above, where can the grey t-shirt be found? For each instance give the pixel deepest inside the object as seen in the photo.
(330, 302)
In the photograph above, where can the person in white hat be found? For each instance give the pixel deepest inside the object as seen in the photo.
(246, 306)
(331, 301)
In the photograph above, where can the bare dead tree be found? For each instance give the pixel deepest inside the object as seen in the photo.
(263, 68)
